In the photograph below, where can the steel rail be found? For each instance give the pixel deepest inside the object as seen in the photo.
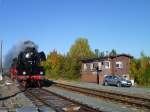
(120, 97)
(48, 99)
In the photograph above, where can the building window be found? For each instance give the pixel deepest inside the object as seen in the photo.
(91, 66)
(95, 65)
(100, 65)
(106, 64)
(119, 64)
(85, 67)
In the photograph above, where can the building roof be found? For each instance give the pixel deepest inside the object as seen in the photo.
(104, 58)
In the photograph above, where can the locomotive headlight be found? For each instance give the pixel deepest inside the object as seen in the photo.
(41, 73)
(27, 55)
(24, 73)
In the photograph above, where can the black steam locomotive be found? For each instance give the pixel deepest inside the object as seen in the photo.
(26, 67)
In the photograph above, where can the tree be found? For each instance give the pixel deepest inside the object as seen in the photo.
(101, 54)
(54, 64)
(134, 69)
(140, 70)
(113, 52)
(81, 49)
(97, 53)
(68, 66)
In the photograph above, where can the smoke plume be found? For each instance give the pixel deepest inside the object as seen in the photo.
(16, 50)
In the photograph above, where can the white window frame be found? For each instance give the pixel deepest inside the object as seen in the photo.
(120, 63)
(84, 66)
(99, 65)
(91, 66)
(105, 66)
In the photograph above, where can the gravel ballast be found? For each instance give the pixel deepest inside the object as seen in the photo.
(144, 92)
(105, 106)
(12, 99)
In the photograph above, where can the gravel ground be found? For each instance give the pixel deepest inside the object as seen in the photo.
(144, 92)
(11, 97)
(106, 106)
(13, 100)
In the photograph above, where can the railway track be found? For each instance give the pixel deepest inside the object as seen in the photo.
(114, 96)
(57, 102)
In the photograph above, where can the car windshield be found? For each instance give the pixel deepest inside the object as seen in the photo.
(117, 77)
(121, 78)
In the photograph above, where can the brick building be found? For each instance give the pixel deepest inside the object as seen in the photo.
(116, 65)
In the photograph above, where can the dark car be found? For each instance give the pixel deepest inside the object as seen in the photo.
(116, 81)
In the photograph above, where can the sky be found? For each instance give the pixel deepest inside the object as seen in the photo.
(123, 25)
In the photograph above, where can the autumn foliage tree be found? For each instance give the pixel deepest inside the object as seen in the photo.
(68, 66)
(140, 70)
(54, 64)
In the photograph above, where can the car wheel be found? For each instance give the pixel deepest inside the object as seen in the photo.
(118, 84)
(105, 83)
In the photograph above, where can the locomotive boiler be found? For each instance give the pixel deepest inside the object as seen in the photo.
(26, 67)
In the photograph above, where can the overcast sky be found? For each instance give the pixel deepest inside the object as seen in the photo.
(123, 25)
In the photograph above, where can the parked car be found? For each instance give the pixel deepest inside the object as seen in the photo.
(116, 81)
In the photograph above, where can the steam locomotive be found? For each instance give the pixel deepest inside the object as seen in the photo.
(26, 67)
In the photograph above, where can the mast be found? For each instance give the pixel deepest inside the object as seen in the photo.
(1, 64)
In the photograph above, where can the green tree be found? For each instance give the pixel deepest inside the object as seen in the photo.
(68, 66)
(113, 52)
(134, 69)
(140, 70)
(54, 64)
(99, 54)
(144, 68)
(81, 49)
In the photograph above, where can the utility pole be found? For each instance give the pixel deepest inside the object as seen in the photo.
(1, 66)
(98, 70)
